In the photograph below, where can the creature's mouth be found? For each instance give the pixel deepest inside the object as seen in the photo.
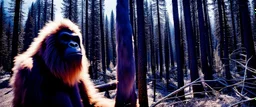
(75, 54)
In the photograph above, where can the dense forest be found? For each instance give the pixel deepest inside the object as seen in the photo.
(185, 48)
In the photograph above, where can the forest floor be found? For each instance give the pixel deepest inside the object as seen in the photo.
(221, 100)
(6, 93)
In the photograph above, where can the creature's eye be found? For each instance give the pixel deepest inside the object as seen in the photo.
(65, 37)
(76, 39)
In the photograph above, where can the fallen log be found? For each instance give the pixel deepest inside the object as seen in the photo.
(107, 86)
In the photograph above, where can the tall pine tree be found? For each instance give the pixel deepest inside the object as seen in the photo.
(29, 28)
(69, 10)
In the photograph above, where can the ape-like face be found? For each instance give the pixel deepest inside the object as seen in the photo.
(69, 44)
(62, 53)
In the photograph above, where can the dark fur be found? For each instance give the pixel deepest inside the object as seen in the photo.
(43, 78)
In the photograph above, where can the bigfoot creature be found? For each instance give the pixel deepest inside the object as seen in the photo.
(53, 71)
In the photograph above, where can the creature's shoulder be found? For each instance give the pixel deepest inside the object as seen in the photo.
(22, 67)
(21, 63)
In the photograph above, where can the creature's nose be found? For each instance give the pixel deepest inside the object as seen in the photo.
(73, 44)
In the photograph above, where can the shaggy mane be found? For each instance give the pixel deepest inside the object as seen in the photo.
(70, 73)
